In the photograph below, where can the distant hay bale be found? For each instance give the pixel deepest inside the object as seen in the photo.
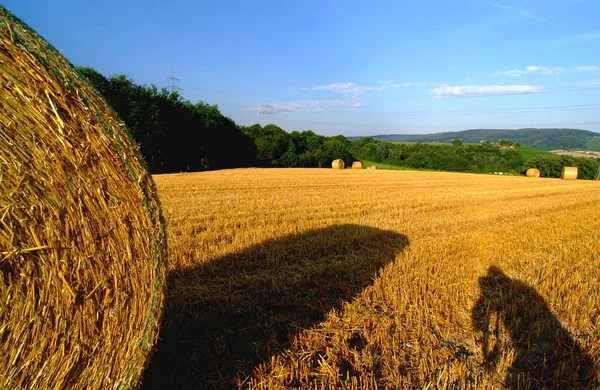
(356, 165)
(338, 164)
(372, 167)
(82, 272)
(533, 172)
(569, 173)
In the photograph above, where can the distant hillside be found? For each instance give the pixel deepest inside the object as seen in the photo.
(547, 139)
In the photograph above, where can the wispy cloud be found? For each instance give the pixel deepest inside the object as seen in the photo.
(312, 106)
(587, 68)
(519, 11)
(355, 89)
(345, 88)
(555, 71)
(483, 90)
(532, 69)
(351, 97)
(578, 38)
(510, 73)
(590, 83)
(413, 84)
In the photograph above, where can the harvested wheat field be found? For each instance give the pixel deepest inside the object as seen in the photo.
(322, 278)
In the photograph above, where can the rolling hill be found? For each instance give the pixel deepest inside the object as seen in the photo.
(547, 139)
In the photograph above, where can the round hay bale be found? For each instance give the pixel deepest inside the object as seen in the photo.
(338, 164)
(372, 167)
(356, 165)
(533, 172)
(82, 274)
(569, 173)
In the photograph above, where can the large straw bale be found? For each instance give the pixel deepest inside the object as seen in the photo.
(569, 173)
(338, 164)
(356, 165)
(533, 172)
(82, 266)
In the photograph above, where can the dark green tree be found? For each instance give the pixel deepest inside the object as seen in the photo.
(173, 134)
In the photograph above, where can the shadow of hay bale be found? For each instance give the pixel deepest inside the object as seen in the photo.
(226, 317)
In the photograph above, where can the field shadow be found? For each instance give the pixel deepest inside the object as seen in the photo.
(224, 318)
(546, 356)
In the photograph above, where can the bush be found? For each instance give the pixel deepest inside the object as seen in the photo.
(551, 166)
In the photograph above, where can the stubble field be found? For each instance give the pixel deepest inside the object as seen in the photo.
(317, 278)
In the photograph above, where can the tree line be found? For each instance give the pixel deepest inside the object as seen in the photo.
(546, 139)
(176, 135)
(457, 157)
(551, 166)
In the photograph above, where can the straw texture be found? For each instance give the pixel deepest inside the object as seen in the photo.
(83, 250)
(338, 164)
(569, 173)
(533, 172)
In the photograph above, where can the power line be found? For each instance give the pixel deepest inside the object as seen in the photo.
(579, 107)
(491, 111)
(491, 94)
(530, 124)
(267, 112)
(519, 110)
(431, 96)
(173, 83)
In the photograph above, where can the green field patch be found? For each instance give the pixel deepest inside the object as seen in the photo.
(529, 152)
(593, 143)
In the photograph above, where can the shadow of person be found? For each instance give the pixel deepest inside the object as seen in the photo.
(225, 317)
(545, 354)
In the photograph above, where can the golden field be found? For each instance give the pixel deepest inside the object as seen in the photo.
(321, 278)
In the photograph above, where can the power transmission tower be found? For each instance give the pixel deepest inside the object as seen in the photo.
(173, 83)
(267, 112)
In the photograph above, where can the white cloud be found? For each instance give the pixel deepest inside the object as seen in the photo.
(313, 106)
(509, 73)
(590, 83)
(351, 98)
(354, 89)
(532, 69)
(341, 87)
(519, 11)
(587, 68)
(554, 71)
(557, 70)
(482, 90)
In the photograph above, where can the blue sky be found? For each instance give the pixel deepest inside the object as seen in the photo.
(348, 67)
